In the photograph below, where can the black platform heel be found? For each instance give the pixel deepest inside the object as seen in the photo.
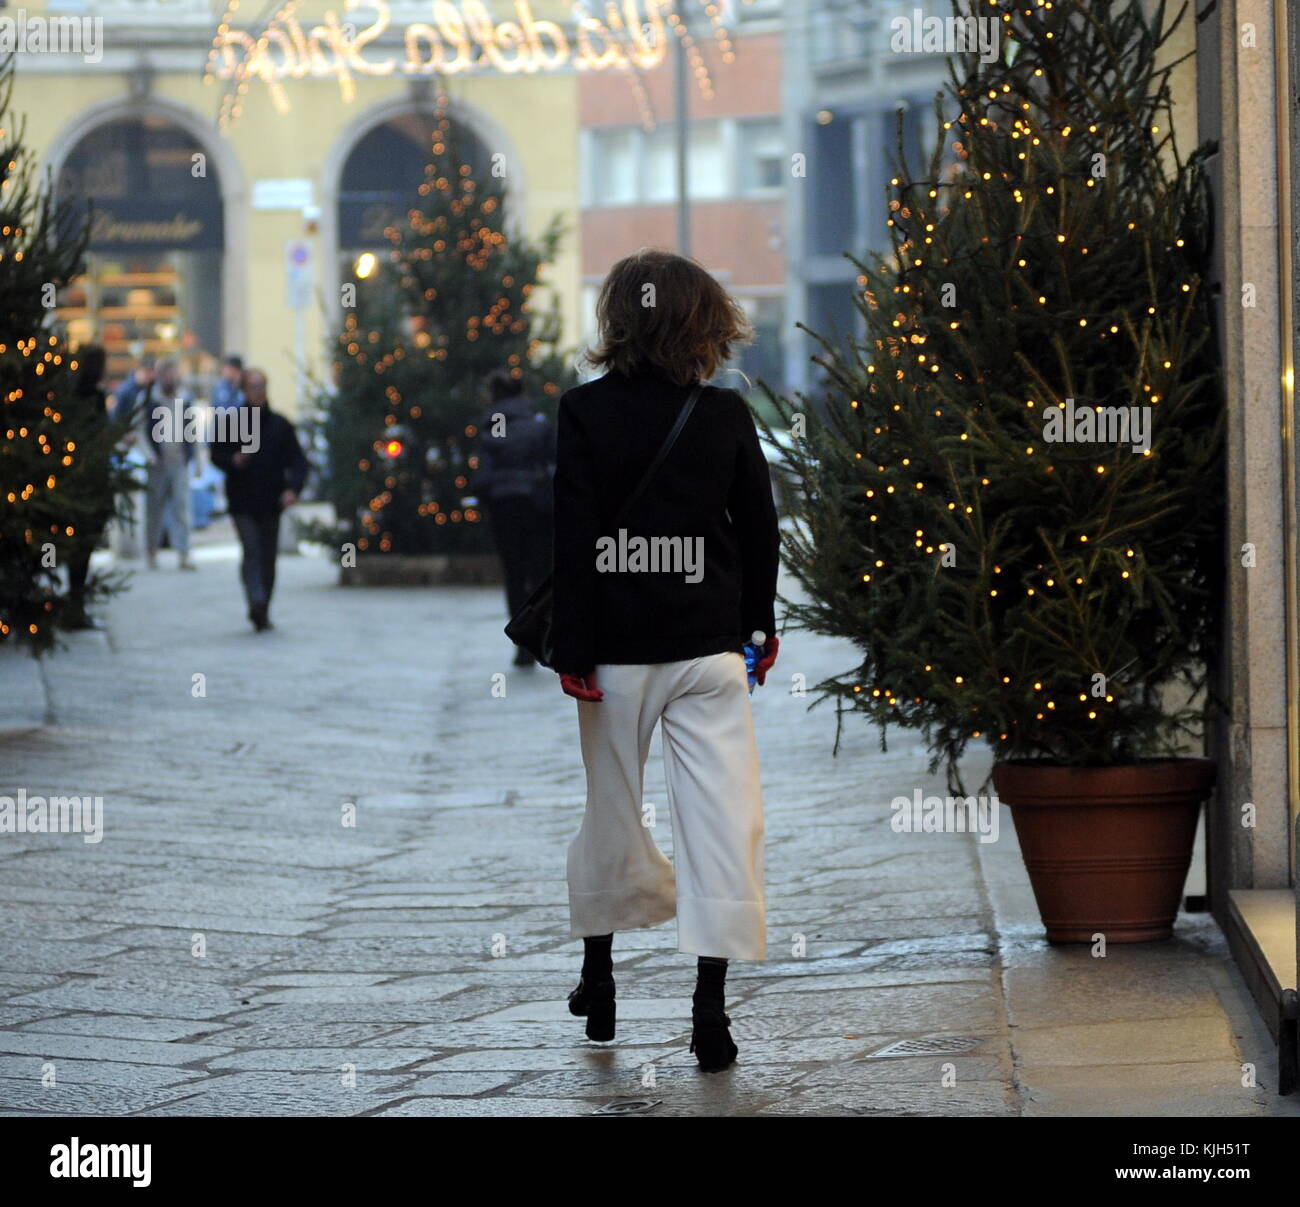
(595, 1002)
(711, 1040)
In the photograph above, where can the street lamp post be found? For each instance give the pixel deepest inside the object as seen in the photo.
(680, 97)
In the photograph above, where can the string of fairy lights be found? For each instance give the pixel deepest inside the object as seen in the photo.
(52, 356)
(911, 351)
(276, 48)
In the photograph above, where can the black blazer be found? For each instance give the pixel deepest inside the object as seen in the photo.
(711, 497)
(277, 466)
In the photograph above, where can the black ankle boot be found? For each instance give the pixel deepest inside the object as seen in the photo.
(595, 1001)
(710, 1038)
(594, 996)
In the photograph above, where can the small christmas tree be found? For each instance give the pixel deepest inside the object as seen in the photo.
(1011, 571)
(56, 469)
(451, 304)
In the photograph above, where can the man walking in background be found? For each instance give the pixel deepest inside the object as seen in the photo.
(164, 416)
(514, 480)
(262, 479)
(132, 389)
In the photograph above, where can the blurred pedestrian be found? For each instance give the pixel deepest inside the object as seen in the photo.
(260, 484)
(226, 393)
(513, 482)
(91, 418)
(640, 643)
(131, 391)
(166, 425)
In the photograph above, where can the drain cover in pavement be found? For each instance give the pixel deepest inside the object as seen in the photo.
(629, 1106)
(932, 1045)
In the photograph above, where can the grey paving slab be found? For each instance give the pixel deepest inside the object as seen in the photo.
(97, 1047)
(1189, 1090)
(426, 1107)
(280, 1093)
(31, 1098)
(586, 1056)
(73, 1072)
(967, 1098)
(465, 1083)
(119, 1026)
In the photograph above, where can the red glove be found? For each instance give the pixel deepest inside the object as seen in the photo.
(764, 664)
(581, 687)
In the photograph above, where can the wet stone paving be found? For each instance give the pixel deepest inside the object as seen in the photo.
(331, 882)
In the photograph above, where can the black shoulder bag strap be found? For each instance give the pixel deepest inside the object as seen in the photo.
(667, 447)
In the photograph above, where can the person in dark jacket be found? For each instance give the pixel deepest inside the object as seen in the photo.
(650, 626)
(260, 484)
(514, 481)
(226, 394)
(131, 391)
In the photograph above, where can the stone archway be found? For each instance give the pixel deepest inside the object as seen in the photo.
(390, 122)
(176, 131)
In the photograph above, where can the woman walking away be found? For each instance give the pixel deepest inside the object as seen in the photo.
(666, 555)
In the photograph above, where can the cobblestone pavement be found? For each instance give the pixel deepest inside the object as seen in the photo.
(231, 947)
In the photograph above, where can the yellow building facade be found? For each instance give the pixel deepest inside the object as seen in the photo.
(237, 162)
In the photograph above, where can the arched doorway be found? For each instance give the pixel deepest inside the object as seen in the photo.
(153, 282)
(381, 177)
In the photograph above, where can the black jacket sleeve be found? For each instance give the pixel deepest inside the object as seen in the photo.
(753, 515)
(223, 453)
(576, 531)
(295, 463)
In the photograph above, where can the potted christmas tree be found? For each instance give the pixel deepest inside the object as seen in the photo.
(1010, 497)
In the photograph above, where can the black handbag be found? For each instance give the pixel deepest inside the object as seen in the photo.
(531, 627)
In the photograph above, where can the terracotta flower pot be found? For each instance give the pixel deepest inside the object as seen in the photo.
(1107, 848)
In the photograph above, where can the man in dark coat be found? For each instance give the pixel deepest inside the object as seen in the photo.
(514, 482)
(260, 484)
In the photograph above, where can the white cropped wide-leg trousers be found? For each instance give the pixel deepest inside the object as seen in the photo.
(619, 879)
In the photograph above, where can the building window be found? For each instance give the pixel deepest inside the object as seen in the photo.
(839, 31)
(762, 156)
(660, 177)
(628, 166)
(706, 162)
(612, 172)
(754, 10)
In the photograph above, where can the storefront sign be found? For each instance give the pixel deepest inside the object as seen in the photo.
(155, 224)
(288, 194)
(460, 38)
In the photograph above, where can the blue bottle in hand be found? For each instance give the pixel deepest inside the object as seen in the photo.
(753, 655)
